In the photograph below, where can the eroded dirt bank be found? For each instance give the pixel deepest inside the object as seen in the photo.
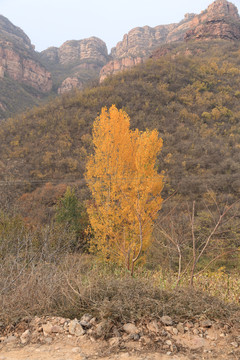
(88, 339)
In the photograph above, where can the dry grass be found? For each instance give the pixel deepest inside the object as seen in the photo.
(75, 285)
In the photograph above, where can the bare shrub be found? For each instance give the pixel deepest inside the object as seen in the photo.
(75, 285)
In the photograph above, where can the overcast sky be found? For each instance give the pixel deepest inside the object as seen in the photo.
(52, 22)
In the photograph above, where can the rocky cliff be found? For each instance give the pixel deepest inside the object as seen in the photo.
(219, 20)
(31, 74)
(12, 33)
(71, 52)
(76, 61)
(23, 68)
(69, 84)
(18, 59)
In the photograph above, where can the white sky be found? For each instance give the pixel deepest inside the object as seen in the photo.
(52, 22)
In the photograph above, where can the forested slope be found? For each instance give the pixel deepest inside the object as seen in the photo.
(190, 95)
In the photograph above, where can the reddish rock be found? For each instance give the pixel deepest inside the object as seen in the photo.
(219, 20)
(117, 65)
(23, 68)
(77, 51)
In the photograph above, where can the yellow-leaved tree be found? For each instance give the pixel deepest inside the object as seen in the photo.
(125, 186)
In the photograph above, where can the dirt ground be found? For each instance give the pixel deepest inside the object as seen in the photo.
(53, 338)
(85, 349)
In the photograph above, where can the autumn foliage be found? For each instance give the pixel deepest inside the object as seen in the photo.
(125, 186)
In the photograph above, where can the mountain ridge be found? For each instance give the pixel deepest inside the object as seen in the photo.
(76, 62)
(139, 43)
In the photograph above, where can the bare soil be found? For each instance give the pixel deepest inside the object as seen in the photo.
(67, 347)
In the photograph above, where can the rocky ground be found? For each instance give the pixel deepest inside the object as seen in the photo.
(86, 339)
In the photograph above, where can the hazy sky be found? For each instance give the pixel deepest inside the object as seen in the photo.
(52, 22)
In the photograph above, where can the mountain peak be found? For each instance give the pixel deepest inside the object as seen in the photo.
(222, 8)
(219, 21)
(10, 32)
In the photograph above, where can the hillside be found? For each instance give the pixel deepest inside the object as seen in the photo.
(190, 94)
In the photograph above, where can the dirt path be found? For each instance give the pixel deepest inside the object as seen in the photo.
(84, 349)
(64, 339)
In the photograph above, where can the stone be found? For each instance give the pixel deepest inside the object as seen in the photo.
(25, 337)
(175, 331)
(71, 326)
(134, 337)
(47, 328)
(180, 328)
(101, 327)
(189, 324)
(168, 342)
(62, 321)
(86, 317)
(75, 328)
(93, 321)
(206, 323)
(165, 347)
(130, 328)
(164, 333)
(166, 320)
(234, 344)
(153, 327)
(57, 329)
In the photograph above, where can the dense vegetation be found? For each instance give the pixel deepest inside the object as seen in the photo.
(191, 97)
(21, 95)
(193, 101)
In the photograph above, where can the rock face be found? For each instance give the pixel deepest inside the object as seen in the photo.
(69, 84)
(139, 40)
(77, 56)
(18, 58)
(214, 29)
(220, 20)
(77, 61)
(115, 66)
(10, 32)
(136, 46)
(71, 52)
(23, 68)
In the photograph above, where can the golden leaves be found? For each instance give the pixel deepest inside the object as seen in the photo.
(125, 186)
